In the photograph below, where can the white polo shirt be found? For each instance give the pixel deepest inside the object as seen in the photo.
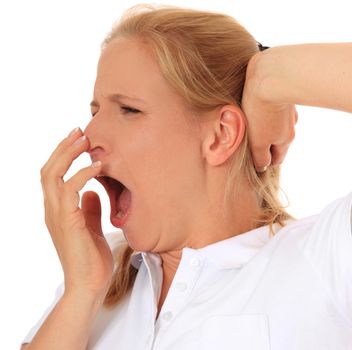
(292, 291)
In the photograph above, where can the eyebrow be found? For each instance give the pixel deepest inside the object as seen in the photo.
(117, 98)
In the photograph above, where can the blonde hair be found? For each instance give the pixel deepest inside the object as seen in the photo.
(204, 56)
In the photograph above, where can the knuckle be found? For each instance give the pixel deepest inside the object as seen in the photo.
(48, 218)
(42, 173)
(47, 221)
(281, 159)
(291, 134)
(296, 117)
(43, 183)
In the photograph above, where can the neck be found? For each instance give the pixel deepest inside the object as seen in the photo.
(212, 224)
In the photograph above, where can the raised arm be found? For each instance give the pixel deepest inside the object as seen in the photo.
(308, 74)
(279, 78)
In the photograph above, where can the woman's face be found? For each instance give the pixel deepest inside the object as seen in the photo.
(155, 153)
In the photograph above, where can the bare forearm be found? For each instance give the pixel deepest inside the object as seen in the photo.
(306, 74)
(68, 325)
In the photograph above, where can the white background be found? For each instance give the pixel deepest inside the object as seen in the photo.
(48, 57)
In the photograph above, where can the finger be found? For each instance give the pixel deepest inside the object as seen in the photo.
(278, 153)
(261, 157)
(296, 116)
(47, 172)
(91, 208)
(64, 144)
(70, 195)
(52, 175)
(62, 162)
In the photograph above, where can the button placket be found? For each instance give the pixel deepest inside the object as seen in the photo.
(186, 277)
(149, 338)
(194, 262)
(167, 316)
(181, 287)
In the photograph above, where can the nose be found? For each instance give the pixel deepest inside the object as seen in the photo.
(97, 143)
(95, 153)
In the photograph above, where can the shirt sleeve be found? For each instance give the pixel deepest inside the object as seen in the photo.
(114, 239)
(329, 248)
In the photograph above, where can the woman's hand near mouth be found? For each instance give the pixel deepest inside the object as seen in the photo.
(76, 232)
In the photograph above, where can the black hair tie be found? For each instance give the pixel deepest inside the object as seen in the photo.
(261, 47)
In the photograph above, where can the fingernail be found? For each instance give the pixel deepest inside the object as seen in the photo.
(80, 140)
(261, 170)
(96, 164)
(73, 131)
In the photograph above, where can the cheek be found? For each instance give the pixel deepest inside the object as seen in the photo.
(161, 164)
(170, 173)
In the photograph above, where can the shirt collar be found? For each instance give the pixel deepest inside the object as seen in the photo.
(229, 253)
(236, 251)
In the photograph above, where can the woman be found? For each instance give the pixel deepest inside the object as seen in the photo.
(191, 119)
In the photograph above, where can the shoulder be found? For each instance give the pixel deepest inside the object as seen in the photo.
(333, 224)
(336, 215)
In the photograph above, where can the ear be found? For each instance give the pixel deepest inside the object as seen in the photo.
(224, 134)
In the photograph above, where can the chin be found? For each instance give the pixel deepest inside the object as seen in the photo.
(135, 242)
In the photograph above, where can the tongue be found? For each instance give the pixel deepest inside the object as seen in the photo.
(124, 201)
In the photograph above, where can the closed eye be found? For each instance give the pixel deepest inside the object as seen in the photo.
(125, 110)
(129, 109)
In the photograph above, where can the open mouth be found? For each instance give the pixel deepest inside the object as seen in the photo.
(120, 199)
